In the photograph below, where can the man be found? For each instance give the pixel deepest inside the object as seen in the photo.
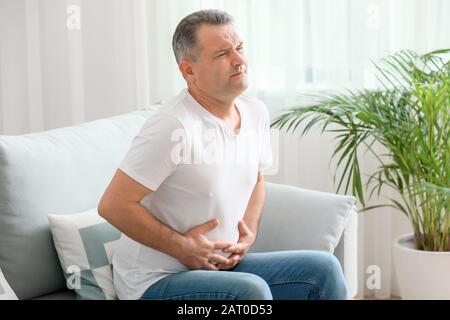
(189, 210)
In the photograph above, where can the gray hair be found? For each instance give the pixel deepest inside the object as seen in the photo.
(184, 41)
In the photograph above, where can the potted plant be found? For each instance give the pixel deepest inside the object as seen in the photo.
(409, 117)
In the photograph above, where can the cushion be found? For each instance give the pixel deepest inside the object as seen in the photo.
(300, 219)
(59, 295)
(6, 293)
(64, 171)
(85, 244)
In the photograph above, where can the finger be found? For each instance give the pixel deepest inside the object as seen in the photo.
(222, 245)
(224, 266)
(237, 248)
(236, 259)
(232, 262)
(210, 266)
(217, 258)
(234, 256)
(208, 226)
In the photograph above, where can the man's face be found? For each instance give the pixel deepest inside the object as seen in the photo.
(220, 69)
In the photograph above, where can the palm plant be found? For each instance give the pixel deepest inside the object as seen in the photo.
(409, 117)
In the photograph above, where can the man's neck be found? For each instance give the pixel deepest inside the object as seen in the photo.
(224, 110)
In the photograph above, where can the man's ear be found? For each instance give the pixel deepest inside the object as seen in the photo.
(187, 71)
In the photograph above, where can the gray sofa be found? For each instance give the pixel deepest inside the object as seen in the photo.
(66, 170)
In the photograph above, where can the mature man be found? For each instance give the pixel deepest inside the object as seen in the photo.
(188, 206)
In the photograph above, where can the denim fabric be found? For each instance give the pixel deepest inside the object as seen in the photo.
(279, 275)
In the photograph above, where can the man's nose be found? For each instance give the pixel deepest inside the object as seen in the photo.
(238, 59)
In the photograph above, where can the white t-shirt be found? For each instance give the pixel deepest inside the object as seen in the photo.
(198, 170)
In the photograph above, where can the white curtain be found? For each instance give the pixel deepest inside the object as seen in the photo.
(121, 60)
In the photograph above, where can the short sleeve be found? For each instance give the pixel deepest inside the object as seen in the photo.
(152, 155)
(265, 155)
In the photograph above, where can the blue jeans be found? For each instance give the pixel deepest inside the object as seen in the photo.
(279, 275)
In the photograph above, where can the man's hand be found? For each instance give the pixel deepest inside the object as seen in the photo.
(246, 239)
(197, 251)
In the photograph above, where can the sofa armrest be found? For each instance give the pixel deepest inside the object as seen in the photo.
(347, 253)
(299, 219)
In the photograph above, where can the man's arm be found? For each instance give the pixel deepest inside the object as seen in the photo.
(255, 205)
(120, 205)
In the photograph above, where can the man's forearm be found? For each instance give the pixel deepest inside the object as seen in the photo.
(255, 205)
(139, 224)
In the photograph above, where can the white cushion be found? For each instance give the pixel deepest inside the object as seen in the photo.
(6, 293)
(85, 243)
(300, 219)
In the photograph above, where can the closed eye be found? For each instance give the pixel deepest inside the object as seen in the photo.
(240, 48)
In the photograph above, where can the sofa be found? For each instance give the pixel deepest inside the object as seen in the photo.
(66, 170)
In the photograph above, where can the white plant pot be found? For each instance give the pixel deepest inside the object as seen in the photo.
(422, 275)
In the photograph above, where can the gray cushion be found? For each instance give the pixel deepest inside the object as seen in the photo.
(300, 219)
(61, 171)
(60, 295)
